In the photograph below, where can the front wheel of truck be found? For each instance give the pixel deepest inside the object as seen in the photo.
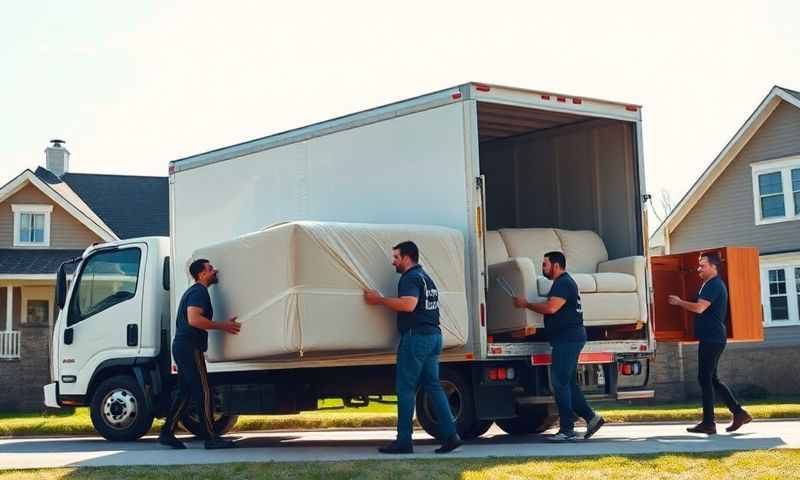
(119, 411)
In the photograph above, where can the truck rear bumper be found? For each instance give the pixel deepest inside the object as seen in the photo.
(51, 395)
(635, 394)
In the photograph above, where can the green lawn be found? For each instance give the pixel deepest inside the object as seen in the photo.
(333, 415)
(751, 465)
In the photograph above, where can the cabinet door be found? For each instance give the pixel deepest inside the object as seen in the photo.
(746, 318)
(671, 324)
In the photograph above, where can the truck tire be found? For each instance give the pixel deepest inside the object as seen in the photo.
(462, 405)
(533, 419)
(119, 411)
(222, 423)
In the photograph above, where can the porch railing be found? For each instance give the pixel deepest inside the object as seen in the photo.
(9, 344)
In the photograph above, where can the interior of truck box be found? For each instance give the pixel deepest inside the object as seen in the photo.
(562, 181)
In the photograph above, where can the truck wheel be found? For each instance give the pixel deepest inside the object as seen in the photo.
(462, 406)
(119, 411)
(533, 419)
(222, 423)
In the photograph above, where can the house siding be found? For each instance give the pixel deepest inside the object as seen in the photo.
(724, 215)
(65, 230)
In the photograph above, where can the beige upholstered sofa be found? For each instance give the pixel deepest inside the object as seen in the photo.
(612, 291)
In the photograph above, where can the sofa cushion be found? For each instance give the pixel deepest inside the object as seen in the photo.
(615, 282)
(585, 281)
(610, 308)
(495, 248)
(584, 249)
(532, 243)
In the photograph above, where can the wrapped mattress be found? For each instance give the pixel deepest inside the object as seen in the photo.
(297, 289)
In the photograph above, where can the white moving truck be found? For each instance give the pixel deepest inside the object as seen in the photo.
(476, 158)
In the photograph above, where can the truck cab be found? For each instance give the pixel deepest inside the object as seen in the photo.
(114, 310)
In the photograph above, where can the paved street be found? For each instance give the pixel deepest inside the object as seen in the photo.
(361, 444)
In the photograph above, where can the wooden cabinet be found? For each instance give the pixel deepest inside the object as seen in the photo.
(677, 275)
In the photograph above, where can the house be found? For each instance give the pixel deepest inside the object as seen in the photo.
(48, 216)
(750, 196)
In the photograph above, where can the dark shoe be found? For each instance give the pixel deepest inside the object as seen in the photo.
(593, 426)
(739, 419)
(451, 444)
(171, 441)
(703, 428)
(395, 448)
(562, 437)
(219, 443)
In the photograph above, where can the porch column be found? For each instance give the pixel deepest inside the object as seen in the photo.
(9, 307)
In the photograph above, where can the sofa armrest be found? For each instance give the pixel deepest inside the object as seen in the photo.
(520, 274)
(630, 265)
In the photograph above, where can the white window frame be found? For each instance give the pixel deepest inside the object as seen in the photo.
(19, 209)
(787, 263)
(784, 166)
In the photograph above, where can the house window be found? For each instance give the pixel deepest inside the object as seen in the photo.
(776, 190)
(32, 225)
(38, 312)
(781, 294)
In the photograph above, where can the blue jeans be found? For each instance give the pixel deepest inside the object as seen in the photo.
(418, 366)
(569, 397)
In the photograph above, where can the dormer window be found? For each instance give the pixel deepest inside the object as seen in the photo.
(32, 225)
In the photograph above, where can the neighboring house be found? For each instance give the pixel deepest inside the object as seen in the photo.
(750, 196)
(49, 216)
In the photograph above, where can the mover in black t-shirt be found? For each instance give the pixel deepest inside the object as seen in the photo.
(192, 322)
(711, 312)
(417, 307)
(563, 323)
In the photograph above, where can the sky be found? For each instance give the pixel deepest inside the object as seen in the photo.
(133, 85)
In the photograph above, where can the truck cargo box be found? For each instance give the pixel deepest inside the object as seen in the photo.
(297, 288)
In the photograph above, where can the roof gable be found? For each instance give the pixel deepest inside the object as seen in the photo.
(64, 197)
(723, 160)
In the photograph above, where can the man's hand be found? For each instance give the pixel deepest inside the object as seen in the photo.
(674, 300)
(520, 302)
(372, 297)
(231, 326)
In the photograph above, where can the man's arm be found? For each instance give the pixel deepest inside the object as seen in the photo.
(198, 320)
(551, 306)
(402, 304)
(699, 306)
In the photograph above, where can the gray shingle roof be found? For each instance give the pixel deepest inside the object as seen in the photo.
(29, 262)
(132, 206)
(793, 93)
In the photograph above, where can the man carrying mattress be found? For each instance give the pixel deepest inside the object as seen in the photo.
(193, 321)
(417, 307)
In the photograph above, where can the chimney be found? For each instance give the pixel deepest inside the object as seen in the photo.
(57, 157)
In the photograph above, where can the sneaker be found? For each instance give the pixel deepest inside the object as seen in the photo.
(703, 428)
(451, 444)
(740, 418)
(593, 426)
(562, 437)
(219, 443)
(171, 441)
(396, 448)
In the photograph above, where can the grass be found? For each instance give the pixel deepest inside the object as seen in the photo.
(750, 465)
(334, 415)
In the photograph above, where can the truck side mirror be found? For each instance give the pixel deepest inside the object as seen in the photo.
(61, 287)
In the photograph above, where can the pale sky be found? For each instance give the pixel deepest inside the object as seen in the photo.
(133, 85)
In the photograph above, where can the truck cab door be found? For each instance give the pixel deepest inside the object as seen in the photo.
(102, 317)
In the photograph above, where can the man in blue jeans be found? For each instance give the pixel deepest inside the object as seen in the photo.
(417, 307)
(563, 323)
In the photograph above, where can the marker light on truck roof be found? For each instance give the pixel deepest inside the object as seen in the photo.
(456, 95)
(482, 88)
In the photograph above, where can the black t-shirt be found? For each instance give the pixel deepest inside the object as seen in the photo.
(425, 317)
(566, 325)
(709, 326)
(194, 296)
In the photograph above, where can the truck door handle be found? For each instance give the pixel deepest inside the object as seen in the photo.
(68, 336)
(133, 335)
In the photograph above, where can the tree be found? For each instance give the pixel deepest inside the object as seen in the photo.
(662, 205)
